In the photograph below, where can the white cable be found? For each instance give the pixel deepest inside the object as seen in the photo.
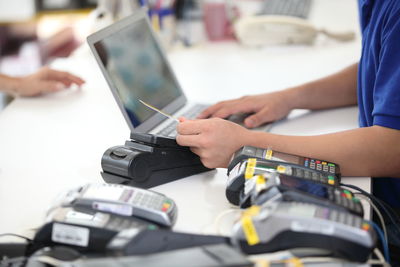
(377, 212)
(379, 254)
(217, 222)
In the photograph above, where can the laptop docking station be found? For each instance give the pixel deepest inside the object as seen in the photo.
(149, 160)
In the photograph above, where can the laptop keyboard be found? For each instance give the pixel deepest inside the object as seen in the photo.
(170, 129)
(294, 8)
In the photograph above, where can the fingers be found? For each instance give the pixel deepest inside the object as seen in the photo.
(226, 108)
(208, 111)
(51, 86)
(259, 118)
(220, 110)
(182, 119)
(64, 77)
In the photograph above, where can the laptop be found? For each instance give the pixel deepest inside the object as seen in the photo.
(135, 67)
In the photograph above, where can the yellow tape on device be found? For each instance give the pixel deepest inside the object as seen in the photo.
(250, 168)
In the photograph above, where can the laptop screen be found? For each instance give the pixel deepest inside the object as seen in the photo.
(135, 65)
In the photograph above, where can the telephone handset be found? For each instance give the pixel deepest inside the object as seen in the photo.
(275, 30)
(124, 201)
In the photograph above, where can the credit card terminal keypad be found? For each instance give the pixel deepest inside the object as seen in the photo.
(308, 174)
(346, 199)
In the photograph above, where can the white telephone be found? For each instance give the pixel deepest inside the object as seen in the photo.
(273, 30)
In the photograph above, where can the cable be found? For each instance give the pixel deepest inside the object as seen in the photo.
(19, 236)
(380, 257)
(384, 205)
(217, 222)
(384, 241)
(382, 221)
(381, 203)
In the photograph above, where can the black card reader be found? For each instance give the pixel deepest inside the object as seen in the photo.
(149, 160)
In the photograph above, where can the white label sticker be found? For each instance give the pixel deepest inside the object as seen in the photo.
(326, 229)
(124, 210)
(71, 235)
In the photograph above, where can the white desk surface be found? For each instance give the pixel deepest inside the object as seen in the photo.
(52, 143)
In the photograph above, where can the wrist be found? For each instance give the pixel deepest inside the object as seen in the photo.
(11, 85)
(254, 138)
(293, 97)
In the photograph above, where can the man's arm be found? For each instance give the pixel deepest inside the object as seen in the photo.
(339, 89)
(336, 90)
(370, 151)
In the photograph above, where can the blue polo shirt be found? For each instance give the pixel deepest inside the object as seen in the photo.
(379, 78)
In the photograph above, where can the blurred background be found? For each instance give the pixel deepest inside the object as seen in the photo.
(33, 33)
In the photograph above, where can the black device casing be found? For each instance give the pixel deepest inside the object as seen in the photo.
(153, 241)
(147, 161)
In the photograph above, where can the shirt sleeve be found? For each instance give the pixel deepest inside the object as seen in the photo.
(386, 111)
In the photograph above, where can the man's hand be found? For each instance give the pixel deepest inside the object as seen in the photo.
(44, 81)
(213, 140)
(266, 108)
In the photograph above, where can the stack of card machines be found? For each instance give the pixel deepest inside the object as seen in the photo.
(295, 202)
(116, 220)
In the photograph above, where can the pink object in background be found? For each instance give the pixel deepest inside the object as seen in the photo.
(216, 20)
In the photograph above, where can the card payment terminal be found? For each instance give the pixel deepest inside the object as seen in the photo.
(247, 168)
(287, 226)
(329, 168)
(122, 200)
(264, 187)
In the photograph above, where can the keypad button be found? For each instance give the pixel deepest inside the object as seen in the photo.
(299, 173)
(339, 200)
(331, 196)
(351, 205)
(342, 217)
(345, 203)
(333, 215)
(323, 179)
(322, 213)
(315, 176)
(349, 219)
(357, 221)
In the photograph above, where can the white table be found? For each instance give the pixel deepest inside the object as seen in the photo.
(52, 143)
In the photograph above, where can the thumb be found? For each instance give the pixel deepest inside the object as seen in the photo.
(257, 119)
(182, 119)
